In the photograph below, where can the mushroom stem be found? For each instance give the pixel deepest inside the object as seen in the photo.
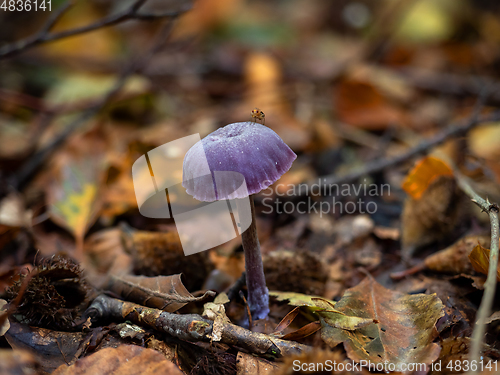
(258, 294)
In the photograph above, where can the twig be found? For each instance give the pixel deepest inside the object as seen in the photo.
(250, 322)
(454, 130)
(31, 165)
(449, 83)
(44, 35)
(16, 301)
(192, 327)
(491, 281)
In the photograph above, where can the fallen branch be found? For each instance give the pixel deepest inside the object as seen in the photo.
(491, 281)
(192, 327)
(44, 35)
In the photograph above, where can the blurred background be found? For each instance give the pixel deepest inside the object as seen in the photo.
(342, 82)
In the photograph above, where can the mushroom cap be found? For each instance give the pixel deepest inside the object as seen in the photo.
(255, 152)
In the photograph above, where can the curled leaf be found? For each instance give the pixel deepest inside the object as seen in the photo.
(161, 292)
(480, 260)
(435, 209)
(338, 319)
(299, 299)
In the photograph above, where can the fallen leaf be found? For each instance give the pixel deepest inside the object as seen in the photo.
(423, 174)
(13, 216)
(106, 256)
(338, 319)
(456, 350)
(124, 360)
(311, 360)
(494, 317)
(483, 141)
(247, 364)
(160, 253)
(286, 321)
(76, 49)
(360, 103)
(14, 362)
(435, 209)
(298, 299)
(426, 21)
(127, 330)
(205, 16)
(73, 190)
(49, 347)
(453, 260)
(13, 213)
(305, 331)
(404, 330)
(161, 292)
(480, 260)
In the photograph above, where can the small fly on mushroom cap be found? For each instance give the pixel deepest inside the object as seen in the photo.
(257, 114)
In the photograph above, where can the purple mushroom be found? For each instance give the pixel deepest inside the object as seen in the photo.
(261, 157)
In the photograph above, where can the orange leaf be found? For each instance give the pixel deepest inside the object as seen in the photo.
(480, 260)
(423, 174)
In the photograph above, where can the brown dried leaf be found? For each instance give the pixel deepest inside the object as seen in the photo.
(360, 103)
(14, 362)
(456, 350)
(161, 292)
(73, 188)
(480, 260)
(404, 330)
(309, 361)
(160, 253)
(51, 348)
(436, 216)
(305, 331)
(5, 325)
(124, 360)
(287, 320)
(247, 364)
(455, 258)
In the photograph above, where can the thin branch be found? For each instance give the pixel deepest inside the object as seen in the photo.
(33, 163)
(56, 16)
(192, 327)
(43, 36)
(491, 281)
(454, 130)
